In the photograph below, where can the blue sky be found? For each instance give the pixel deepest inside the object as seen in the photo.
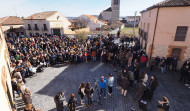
(70, 7)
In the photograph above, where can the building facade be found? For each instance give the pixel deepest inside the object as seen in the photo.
(6, 93)
(164, 30)
(112, 13)
(46, 23)
(12, 26)
(93, 22)
(130, 20)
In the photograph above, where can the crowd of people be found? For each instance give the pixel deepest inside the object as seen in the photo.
(30, 55)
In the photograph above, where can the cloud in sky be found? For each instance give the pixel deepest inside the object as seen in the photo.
(70, 7)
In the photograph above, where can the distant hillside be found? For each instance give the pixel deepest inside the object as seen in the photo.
(71, 18)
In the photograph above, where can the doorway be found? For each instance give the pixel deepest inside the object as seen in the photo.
(56, 32)
(176, 52)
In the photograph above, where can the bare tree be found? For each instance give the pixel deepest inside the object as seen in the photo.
(81, 36)
(81, 22)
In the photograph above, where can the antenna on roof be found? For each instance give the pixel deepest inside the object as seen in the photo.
(15, 10)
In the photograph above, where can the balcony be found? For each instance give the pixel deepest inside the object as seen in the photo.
(29, 29)
(36, 28)
(45, 29)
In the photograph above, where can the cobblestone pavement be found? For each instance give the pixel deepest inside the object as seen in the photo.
(67, 78)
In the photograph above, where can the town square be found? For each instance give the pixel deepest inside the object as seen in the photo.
(114, 55)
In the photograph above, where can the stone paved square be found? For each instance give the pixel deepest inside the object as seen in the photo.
(67, 78)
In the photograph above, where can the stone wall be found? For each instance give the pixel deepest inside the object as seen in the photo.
(165, 51)
(6, 96)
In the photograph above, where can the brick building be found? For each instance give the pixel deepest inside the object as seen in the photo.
(6, 94)
(164, 30)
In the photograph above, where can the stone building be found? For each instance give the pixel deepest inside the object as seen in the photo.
(45, 23)
(130, 20)
(112, 13)
(12, 26)
(6, 93)
(164, 30)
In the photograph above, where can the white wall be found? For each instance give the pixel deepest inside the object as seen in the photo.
(51, 22)
(93, 23)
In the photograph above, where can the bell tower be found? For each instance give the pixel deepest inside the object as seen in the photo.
(115, 6)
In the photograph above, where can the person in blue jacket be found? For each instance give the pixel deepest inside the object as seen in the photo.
(102, 82)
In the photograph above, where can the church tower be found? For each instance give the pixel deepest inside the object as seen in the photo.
(115, 6)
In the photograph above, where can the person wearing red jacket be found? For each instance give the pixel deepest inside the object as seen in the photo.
(93, 56)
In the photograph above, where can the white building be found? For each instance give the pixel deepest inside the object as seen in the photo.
(45, 23)
(112, 13)
(94, 23)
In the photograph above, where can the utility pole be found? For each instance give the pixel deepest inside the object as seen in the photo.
(134, 24)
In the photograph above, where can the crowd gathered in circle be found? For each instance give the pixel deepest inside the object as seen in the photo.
(30, 55)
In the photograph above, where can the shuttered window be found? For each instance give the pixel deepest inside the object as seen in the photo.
(181, 33)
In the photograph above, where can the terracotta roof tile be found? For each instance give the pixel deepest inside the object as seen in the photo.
(93, 17)
(11, 20)
(42, 15)
(170, 3)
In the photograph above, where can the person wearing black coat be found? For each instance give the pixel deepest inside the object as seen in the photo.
(140, 90)
(58, 99)
(72, 103)
(168, 62)
(89, 93)
(184, 74)
(125, 84)
(136, 74)
(153, 85)
(174, 64)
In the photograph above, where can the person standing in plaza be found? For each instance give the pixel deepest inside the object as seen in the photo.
(184, 75)
(102, 82)
(89, 93)
(72, 103)
(153, 85)
(140, 90)
(110, 84)
(81, 92)
(59, 99)
(163, 65)
(124, 84)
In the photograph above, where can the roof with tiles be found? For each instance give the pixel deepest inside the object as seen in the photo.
(42, 15)
(93, 17)
(170, 3)
(11, 20)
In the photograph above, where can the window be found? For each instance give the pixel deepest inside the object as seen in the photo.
(30, 34)
(57, 17)
(176, 52)
(29, 27)
(116, 2)
(181, 33)
(45, 27)
(36, 27)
